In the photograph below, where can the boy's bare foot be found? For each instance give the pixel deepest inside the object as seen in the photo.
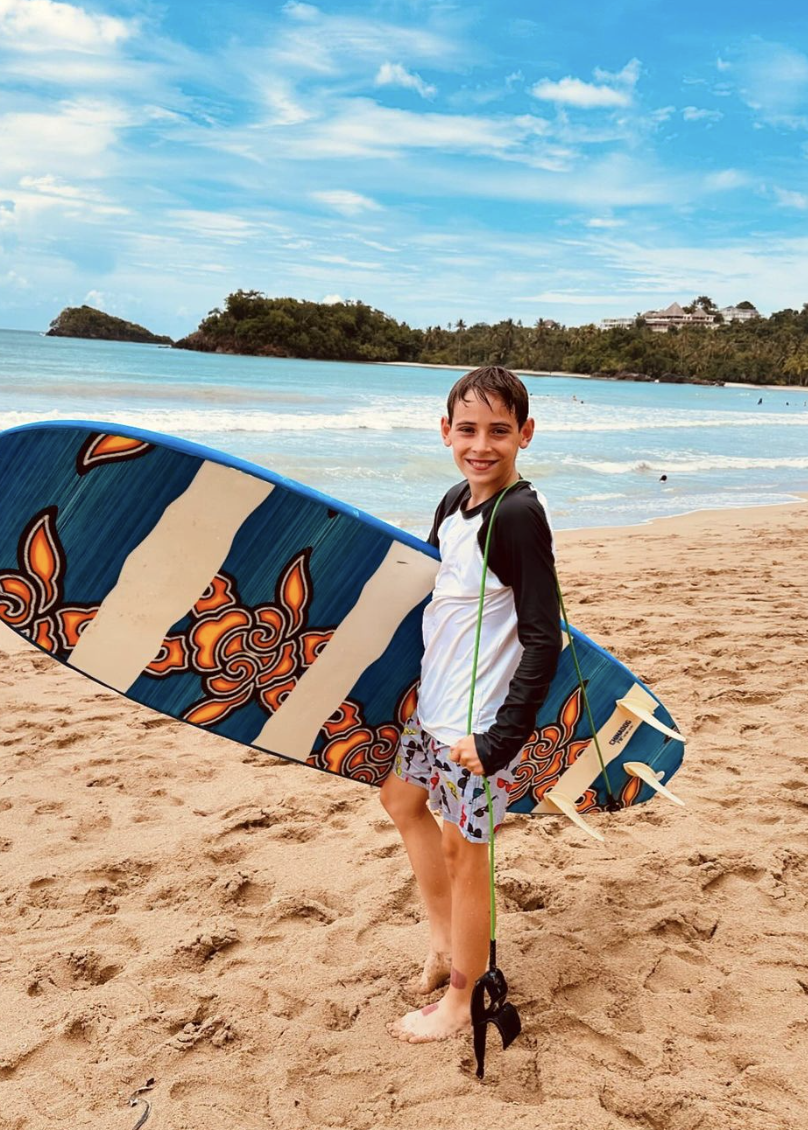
(436, 971)
(435, 1022)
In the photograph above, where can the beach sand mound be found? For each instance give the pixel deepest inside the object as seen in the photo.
(181, 909)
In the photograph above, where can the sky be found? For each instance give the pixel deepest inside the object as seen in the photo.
(435, 160)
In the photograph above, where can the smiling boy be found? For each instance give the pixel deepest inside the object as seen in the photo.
(440, 765)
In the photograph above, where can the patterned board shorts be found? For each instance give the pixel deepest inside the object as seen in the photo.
(455, 793)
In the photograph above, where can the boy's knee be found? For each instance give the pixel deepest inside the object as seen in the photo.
(401, 801)
(461, 854)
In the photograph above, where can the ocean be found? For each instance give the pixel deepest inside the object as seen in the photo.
(368, 434)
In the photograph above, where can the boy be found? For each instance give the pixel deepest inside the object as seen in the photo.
(438, 762)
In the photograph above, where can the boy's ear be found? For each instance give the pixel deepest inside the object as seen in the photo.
(526, 433)
(445, 428)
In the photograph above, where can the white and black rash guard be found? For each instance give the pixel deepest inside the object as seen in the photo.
(521, 637)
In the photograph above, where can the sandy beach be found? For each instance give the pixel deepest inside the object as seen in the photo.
(239, 929)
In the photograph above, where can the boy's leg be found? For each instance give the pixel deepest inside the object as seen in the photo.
(407, 806)
(467, 864)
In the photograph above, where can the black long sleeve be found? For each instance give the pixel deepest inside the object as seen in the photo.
(521, 555)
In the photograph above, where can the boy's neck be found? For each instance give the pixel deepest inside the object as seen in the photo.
(482, 492)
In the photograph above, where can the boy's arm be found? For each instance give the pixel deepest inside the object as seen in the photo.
(522, 557)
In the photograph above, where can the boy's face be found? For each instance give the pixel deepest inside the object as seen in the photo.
(485, 441)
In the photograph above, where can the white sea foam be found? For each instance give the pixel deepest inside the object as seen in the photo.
(691, 466)
(187, 422)
(393, 415)
(607, 496)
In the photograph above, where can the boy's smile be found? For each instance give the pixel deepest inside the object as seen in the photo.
(485, 440)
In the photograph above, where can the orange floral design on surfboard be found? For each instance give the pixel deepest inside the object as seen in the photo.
(99, 449)
(549, 752)
(245, 654)
(32, 598)
(354, 749)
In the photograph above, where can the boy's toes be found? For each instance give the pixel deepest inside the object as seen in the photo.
(426, 1025)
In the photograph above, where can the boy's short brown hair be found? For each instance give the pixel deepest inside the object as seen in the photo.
(491, 380)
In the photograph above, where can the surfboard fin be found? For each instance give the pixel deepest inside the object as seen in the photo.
(639, 711)
(567, 806)
(647, 774)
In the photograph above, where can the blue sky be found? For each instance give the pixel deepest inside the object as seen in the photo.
(436, 160)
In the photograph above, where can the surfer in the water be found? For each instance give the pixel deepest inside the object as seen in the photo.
(439, 765)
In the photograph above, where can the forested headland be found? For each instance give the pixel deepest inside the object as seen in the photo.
(771, 350)
(86, 321)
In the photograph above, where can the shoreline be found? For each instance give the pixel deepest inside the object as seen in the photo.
(468, 368)
(799, 498)
(596, 377)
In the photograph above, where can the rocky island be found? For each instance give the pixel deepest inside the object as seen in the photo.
(86, 321)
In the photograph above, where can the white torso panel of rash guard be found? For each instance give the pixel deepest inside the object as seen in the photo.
(520, 638)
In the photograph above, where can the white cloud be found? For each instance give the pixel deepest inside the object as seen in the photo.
(663, 114)
(79, 199)
(768, 271)
(15, 281)
(574, 92)
(328, 44)
(344, 261)
(596, 222)
(629, 75)
(393, 74)
(74, 138)
(51, 186)
(788, 199)
(346, 203)
(725, 179)
(696, 114)
(306, 13)
(95, 298)
(773, 80)
(332, 299)
(46, 25)
(562, 298)
(363, 128)
(286, 110)
(611, 89)
(214, 225)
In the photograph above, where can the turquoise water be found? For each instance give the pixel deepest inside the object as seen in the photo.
(368, 434)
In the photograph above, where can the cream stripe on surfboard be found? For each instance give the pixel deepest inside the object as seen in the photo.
(403, 579)
(184, 552)
(613, 737)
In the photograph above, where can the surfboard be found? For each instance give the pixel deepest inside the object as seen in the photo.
(237, 600)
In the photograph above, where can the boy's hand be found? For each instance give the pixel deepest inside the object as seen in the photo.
(464, 753)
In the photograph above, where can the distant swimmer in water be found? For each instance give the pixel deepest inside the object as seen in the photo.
(663, 478)
(761, 400)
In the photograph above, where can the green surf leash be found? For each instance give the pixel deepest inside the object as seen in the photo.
(498, 1011)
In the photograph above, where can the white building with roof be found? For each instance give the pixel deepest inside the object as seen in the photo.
(660, 321)
(739, 313)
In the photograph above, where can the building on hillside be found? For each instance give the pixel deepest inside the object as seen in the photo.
(660, 321)
(610, 323)
(739, 313)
